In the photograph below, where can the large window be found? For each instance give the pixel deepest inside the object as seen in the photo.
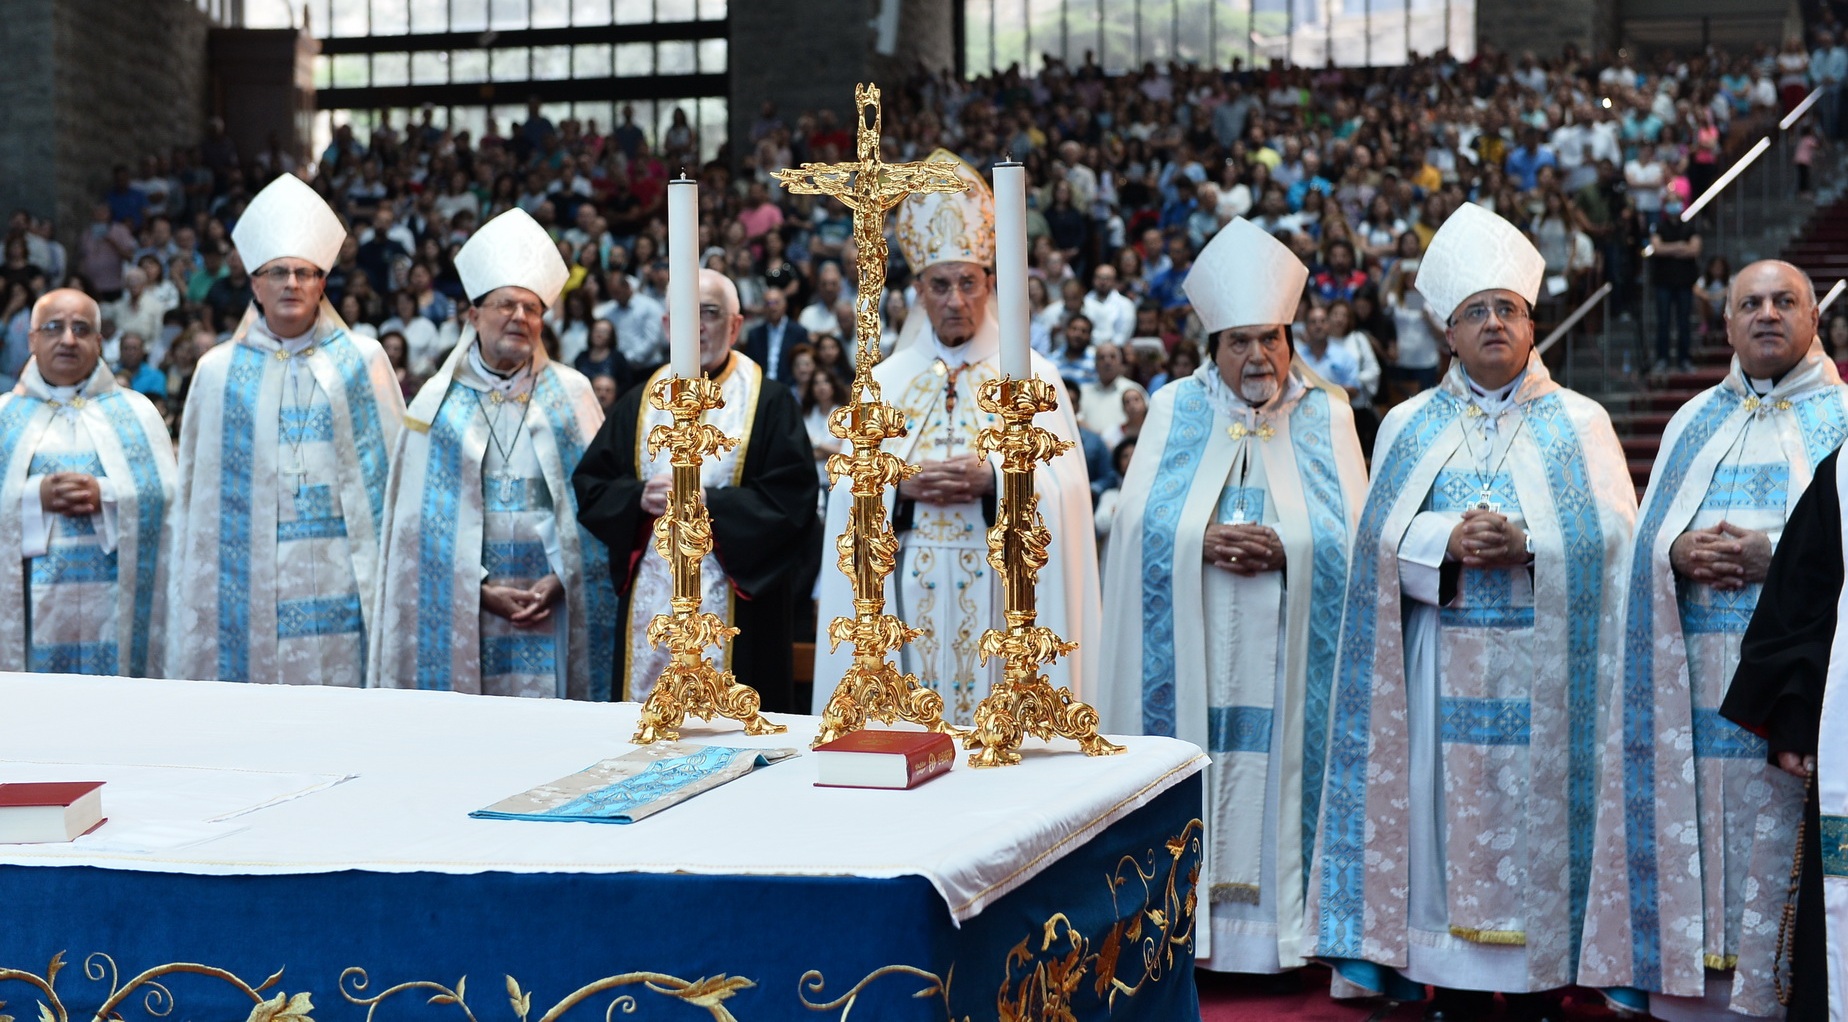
(1122, 35)
(476, 60)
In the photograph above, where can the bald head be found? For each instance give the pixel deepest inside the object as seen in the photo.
(719, 319)
(1771, 317)
(66, 336)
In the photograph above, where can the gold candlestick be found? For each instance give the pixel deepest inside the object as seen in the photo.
(690, 684)
(873, 687)
(1023, 702)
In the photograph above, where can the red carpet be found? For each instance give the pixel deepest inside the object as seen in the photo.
(1230, 998)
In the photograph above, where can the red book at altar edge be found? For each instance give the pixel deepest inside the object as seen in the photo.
(883, 759)
(34, 812)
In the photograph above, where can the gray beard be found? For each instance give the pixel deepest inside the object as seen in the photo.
(1257, 390)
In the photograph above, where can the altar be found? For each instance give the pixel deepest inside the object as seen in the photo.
(287, 854)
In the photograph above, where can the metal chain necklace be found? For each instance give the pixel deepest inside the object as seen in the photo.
(1487, 482)
(508, 483)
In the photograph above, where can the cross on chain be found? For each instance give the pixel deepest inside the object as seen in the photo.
(870, 188)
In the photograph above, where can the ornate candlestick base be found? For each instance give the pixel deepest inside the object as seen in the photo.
(691, 684)
(1023, 702)
(873, 688)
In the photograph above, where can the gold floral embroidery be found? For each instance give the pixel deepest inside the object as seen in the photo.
(1510, 938)
(708, 992)
(155, 997)
(1040, 985)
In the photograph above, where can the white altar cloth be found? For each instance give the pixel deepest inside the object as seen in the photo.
(421, 761)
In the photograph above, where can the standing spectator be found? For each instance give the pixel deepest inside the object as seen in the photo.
(1076, 362)
(1710, 296)
(601, 356)
(105, 248)
(1792, 74)
(772, 343)
(1103, 396)
(1112, 314)
(1674, 269)
(1646, 176)
(1828, 68)
(637, 319)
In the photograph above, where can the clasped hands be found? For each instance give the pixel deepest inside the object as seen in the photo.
(1724, 556)
(957, 480)
(527, 608)
(1487, 539)
(1247, 549)
(71, 493)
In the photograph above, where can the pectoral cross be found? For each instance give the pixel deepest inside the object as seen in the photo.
(509, 488)
(1483, 503)
(1238, 514)
(870, 189)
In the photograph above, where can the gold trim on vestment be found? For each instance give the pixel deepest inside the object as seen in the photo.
(1506, 938)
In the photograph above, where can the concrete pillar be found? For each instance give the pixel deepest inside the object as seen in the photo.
(89, 84)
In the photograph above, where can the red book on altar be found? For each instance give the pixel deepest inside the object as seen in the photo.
(883, 759)
(41, 812)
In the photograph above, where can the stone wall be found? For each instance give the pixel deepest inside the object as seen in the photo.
(1516, 26)
(89, 84)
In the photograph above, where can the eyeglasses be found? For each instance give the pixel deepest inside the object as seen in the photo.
(53, 328)
(968, 287)
(1478, 314)
(712, 314)
(511, 307)
(285, 274)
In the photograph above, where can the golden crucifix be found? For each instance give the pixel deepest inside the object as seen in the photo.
(873, 687)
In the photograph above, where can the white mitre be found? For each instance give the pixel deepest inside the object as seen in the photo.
(1477, 251)
(949, 227)
(512, 250)
(288, 219)
(1245, 277)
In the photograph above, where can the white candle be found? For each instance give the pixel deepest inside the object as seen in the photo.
(1011, 268)
(683, 275)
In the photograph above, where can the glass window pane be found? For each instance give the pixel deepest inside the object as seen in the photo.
(1157, 31)
(507, 14)
(430, 67)
(323, 71)
(551, 13)
(348, 18)
(1119, 37)
(429, 15)
(472, 119)
(551, 63)
(510, 65)
(468, 15)
(316, 13)
(634, 59)
(1044, 33)
(391, 17)
(322, 135)
(1232, 33)
(712, 53)
(592, 61)
(674, 58)
(1010, 32)
(391, 69)
(269, 16)
(634, 12)
(975, 37)
(713, 10)
(350, 71)
(1196, 31)
(1271, 31)
(596, 117)
(674, 10)
(713, 125)
(467, 67)
(590, 12)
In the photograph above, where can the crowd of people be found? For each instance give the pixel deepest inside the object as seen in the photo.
(1129, 176)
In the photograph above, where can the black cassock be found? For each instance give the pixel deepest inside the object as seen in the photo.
(1777, 693)
(765, 531)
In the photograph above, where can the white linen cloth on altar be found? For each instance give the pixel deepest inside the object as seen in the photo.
(422, 761)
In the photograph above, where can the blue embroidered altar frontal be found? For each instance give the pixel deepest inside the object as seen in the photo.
(1109, 926)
